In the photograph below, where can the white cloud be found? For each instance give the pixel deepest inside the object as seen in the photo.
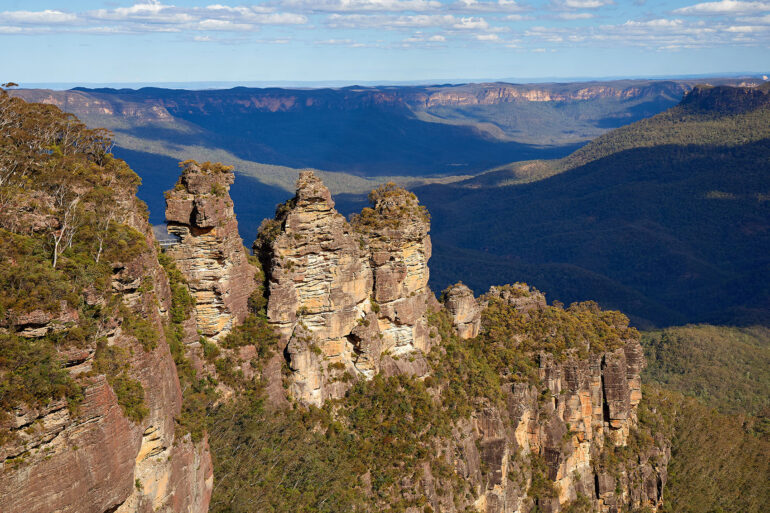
(223, 25)
(756, 19)
(724, 7)
(149, 16)
(368, 21)
(488, 37)
(471, 24)
(360, 5)
(747, 29)
(37, 17)
(654, 23)
(518, 17)
(575, 16)
(419, 37)
(583, 4)
(499, 6)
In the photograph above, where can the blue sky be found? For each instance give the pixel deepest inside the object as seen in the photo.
(97, 41)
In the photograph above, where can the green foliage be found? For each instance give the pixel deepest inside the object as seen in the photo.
(540, 487)
(281, 461)
(62, 196)
(197, 394)
(255, 329)
(114, 362)
(313, 460)
(140, 328)
(582, 327)
(507, 349)
(391, 207)
(182, 302)
(726, 368)
(33, 374)
(209, 168)
(27, 280)
(580, 505)
(717, 464)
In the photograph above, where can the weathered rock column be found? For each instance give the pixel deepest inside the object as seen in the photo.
(210, 252)
(343, 294)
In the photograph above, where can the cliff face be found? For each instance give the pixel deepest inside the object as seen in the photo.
(530, 407)
(210, 252)
(93, 458)
(350, 300)
(98, 434)
(138, 105)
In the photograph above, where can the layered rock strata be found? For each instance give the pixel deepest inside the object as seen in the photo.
(563, 428)
(94, 459)
(346, 299)
(466, 312)
(210, 253)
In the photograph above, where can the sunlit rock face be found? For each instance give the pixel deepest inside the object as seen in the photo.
(210, 253)
(93, 458)
(346, 297)
(465, 310)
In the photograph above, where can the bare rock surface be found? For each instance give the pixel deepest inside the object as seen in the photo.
(94, 458)
(465, 310)
(341, 295)
(210, 253)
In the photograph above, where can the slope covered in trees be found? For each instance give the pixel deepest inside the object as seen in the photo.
(710, 387)
(666, 219)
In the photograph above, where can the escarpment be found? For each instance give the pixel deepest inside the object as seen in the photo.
(116, 358)
(90, 388)
(544, 398)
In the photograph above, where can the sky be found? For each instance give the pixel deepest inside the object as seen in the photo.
(242, 41)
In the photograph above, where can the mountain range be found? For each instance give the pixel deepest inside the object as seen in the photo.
(601, 221)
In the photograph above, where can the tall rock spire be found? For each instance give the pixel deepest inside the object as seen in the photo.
(210, 252)
(344, 297)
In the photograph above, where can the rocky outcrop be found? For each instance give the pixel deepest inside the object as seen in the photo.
(210, 253)
(344, 296)
(465, 310)
(351, 300)
(563, 433)
(95, 457)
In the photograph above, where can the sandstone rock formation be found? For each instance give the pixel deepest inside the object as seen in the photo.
(350, 300)
(465, 310)
(344, 297)
(210, 252)
(590, 409)
(93, 458)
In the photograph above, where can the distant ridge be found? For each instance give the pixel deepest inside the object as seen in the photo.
(666, 218)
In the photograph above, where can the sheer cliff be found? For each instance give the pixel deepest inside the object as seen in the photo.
(88, 385)
(498, 404)
(320, 374)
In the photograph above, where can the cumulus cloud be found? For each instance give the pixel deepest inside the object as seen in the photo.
(359, 5)
(419, 37)
(582, 4)
(149, 16)
(499, 6)
(575, 16)
(37, 17)
(724, 7)
(365, 21)
(660, 34)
